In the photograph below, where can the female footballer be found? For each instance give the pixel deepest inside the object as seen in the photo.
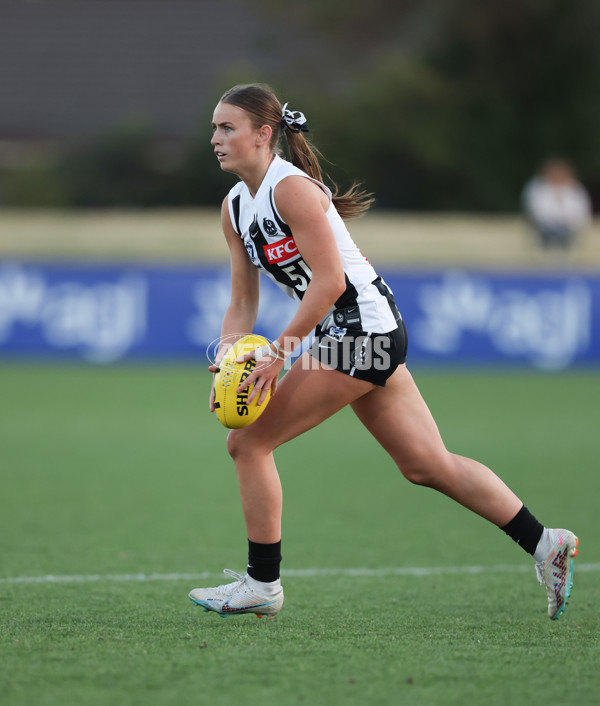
(282, 220)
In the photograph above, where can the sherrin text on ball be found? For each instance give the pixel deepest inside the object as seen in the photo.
(232, 407)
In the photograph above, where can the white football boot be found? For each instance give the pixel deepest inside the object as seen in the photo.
(239, 597)
(555, 571)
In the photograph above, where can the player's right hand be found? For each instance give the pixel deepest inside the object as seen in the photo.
(211, 401)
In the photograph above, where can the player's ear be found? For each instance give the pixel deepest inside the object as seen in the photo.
(264, 134)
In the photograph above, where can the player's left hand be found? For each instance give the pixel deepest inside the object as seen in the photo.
(265, 375)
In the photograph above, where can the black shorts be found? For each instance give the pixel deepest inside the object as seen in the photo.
(364, 355)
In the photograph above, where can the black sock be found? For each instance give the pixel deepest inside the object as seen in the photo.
(525, 530)
(264, 561)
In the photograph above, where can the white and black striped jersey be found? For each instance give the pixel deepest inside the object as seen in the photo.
(367, 302)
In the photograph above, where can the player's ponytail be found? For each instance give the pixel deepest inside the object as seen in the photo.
(262, 105)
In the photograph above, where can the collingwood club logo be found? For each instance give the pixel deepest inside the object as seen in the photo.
(269, 226)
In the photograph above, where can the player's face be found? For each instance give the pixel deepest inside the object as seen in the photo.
(234, 138)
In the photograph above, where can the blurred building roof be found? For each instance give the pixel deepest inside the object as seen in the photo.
(75, 67)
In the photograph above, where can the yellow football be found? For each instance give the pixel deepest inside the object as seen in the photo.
(232, 408)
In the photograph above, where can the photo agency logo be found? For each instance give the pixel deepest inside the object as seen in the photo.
(217, 350)
(335, 349)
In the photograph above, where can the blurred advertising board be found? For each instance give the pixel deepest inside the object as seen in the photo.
(109, 313)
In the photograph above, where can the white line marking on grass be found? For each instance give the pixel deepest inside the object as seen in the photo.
(301, 573)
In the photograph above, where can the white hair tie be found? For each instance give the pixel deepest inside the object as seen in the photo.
(293, 120)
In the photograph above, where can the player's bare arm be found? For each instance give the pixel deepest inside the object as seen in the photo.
(303, 205)
(241, 313)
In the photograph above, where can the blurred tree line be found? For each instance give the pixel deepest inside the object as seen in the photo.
(433, 105)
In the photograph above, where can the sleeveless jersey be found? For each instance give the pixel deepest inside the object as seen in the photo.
(367, 301)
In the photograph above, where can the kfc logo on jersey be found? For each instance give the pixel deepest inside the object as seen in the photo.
(281, 251)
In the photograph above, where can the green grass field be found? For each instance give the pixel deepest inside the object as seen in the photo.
(116, 483)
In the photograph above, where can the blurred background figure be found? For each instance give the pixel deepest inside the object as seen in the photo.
(556, 205)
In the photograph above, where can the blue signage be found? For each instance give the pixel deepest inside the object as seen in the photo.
(109, 313)
(550, 322)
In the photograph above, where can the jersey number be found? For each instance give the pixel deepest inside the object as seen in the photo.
(300, 281)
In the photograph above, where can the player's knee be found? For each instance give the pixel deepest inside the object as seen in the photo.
(424, 469)
(416, 473)
(235, 443)
(240, 443)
